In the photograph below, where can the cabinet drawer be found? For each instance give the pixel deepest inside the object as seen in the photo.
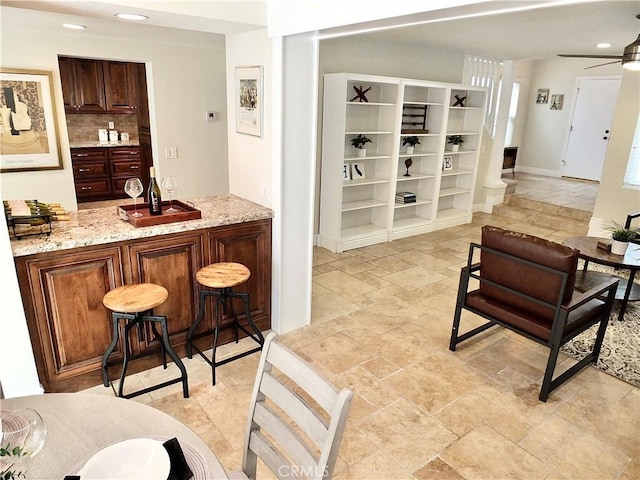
(127, 152)
(81, 154)
(89, 170)
(130, 168)
(93, 187)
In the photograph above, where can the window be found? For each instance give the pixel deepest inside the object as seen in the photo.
(632, 175)
(484, 72)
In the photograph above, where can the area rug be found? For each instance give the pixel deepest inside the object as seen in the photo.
(620, 354)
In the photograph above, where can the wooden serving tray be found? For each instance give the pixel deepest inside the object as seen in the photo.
(185, 212)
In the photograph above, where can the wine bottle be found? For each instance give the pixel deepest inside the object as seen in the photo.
(155, 197)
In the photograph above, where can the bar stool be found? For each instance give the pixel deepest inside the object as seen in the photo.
(134, 304)
(223, 277)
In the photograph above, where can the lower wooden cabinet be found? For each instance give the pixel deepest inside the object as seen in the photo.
(70, 328)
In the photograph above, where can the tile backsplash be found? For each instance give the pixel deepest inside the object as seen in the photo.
(83, 127)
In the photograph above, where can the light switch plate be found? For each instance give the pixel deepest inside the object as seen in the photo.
(171, 152)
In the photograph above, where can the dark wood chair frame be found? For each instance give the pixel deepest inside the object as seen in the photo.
(627, 225)
(560, 317)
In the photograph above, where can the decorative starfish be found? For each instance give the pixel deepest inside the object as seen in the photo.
(459, 101)
(360, 94)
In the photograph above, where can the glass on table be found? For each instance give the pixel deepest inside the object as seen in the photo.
(22, 435)
(133, 187)
(169, 185)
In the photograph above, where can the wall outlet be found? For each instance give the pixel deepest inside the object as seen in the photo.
(211, 116)
(171, 152)
(112, 125)
(263, 192)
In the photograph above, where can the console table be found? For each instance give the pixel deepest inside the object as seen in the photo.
(628, 291)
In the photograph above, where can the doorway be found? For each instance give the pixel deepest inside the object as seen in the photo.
(590, 127)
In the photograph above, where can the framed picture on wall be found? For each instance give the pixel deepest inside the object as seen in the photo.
(542, 95)
(28, 128)
(249, 100)
(556, 102)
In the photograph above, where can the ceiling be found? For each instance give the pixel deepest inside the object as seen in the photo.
(538, 33)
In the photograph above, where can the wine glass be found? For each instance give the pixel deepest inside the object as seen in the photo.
(169, 185)
(133, 187)
(22, 428)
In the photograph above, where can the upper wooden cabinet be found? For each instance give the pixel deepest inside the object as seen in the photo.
(97, 86)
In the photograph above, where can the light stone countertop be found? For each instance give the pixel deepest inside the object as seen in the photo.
(129, 143)
(103, 225)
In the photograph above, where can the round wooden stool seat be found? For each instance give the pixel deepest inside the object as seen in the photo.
(135, 298)
(223, 275)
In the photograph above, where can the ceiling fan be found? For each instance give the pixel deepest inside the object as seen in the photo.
(630, 58)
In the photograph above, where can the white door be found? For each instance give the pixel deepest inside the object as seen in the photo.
(590, 127)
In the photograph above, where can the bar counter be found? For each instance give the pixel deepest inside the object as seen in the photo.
(103, 225)
(64, 277)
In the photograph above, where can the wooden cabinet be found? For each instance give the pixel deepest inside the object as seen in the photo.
(101, 172)
(68, 325)
(82, 85)
(119, 87)
(62, 294)
(360, 194)
(97, 86)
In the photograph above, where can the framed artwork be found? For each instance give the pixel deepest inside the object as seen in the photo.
(357, 171)
(28, 128)
(556, 102)
(543, 95)
(447, 163)
(346, 172)
(249, 99)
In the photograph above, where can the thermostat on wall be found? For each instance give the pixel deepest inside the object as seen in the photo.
(211, 116)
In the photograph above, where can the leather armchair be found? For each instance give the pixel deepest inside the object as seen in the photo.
(526, 284)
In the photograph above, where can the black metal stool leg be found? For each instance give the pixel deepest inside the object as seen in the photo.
(196, 323)
(127, 352)
(105, 358)
(216, 331)
(169, 349)
(159, 339)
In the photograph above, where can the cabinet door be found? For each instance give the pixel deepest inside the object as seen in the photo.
(249, 244)
(89, 86)
(68, 80)
(171, 262)
(120, 93)
(69, 327)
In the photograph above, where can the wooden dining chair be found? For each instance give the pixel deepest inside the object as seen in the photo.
(296, 418)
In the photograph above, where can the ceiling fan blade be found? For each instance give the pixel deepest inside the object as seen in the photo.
(602, 64)
(570, 55)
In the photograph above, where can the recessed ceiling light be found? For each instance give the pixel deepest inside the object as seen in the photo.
(603, 45)
(73, 26)
(131, 16)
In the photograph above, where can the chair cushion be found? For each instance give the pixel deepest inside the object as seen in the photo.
(526, 321)
(531, 281)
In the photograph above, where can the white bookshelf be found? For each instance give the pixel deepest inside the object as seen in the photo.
(363, 210)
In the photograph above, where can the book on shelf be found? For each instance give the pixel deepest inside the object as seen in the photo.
(405, 197)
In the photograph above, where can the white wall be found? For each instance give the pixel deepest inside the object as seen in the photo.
(250, 157)
(545, 130)
(185, 80)
(17, 366)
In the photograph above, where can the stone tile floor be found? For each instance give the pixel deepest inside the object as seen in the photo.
(568, 192)
(381, 319)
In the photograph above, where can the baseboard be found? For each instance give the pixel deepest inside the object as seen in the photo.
(539, 171)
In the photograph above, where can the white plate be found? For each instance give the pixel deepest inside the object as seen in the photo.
(134, 459)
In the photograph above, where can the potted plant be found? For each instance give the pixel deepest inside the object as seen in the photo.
(409, 143)
(359, 142)
(620, 238)
(455, 141)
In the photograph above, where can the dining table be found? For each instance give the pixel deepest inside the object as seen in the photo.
(79, 425)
